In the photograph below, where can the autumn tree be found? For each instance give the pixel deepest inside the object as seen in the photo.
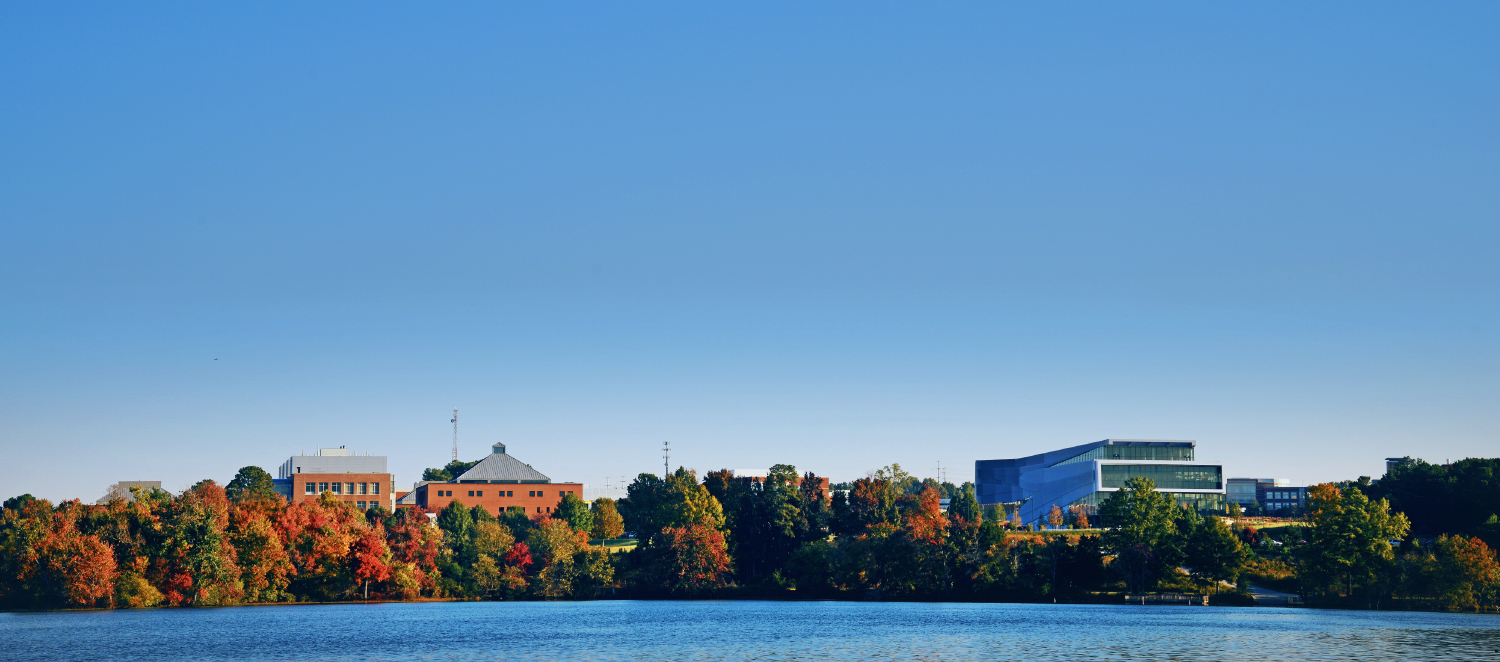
(1468, 575)
(695, 559)
(414, 545)
(608, 524)
(203, 559)
(568, 568)
(265, 567)
(369, 558)
(1055, 517)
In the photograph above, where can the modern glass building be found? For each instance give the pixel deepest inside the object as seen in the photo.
(1086, 475)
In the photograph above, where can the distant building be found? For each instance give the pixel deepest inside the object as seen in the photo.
(361, 480)
(759, 476)
(498, 482)
(1392, 462)
(1086, 475)
(1282, 500)
(121, 490)
(1275, 496)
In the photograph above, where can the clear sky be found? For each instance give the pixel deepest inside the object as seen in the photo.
(836, 236)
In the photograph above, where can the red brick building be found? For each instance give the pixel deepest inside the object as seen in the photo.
(498, 482)
(360, 480)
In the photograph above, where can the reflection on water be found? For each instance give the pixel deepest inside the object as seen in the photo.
(820, 631)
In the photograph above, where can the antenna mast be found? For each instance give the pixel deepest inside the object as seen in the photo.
(455, 434)
(666, 459)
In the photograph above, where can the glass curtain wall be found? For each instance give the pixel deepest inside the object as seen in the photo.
(1166, 477)
(1118, 452)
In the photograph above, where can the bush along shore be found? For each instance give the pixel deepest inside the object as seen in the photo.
(781, 536)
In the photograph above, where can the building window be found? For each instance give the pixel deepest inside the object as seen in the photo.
(479, 493)
(510, 494)
(539, 509)
(374, 488)
(360, 504)
(348, 488)
(309, 488)
(364, 488)
(338, 488)
(532, 493)
(322, 487)
(561, 493)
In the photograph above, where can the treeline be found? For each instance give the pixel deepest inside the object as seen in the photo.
(886, 536)
(1354, 551)
(1459, 498)
(245, 544)
(208, 547)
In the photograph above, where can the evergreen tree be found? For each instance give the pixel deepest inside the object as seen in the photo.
(964, 506)
(1139, 532)
(1215, 554)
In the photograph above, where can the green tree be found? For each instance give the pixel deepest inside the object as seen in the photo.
(1139, 529)
(1348, 547)
(654, 504)
(197, 522)
(1214, 553)
(453, 470)
(964, 506)
(575, 512)
(251, 483)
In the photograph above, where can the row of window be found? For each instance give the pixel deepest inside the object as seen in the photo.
(504, 493)
(341, 488)
(364, 505)
(1281, 496)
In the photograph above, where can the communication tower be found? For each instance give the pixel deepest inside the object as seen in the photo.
(666, 459)
(455, 434)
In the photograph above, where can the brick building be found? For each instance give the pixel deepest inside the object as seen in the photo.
(361, 480)
(498, 482)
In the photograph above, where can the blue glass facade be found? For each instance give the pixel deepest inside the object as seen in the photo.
(1085, 475)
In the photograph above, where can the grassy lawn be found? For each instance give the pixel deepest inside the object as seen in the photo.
(617, 545)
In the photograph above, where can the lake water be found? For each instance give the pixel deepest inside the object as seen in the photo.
(820, 631)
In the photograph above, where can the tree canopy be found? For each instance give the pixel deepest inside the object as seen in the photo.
(251, 483)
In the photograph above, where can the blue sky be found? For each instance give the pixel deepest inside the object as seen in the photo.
(836, 236)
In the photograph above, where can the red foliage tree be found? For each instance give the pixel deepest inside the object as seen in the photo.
(369, 558)
(696, 559)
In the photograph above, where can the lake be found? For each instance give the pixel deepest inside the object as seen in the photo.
(744, 630)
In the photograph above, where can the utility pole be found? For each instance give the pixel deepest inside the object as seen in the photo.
(455, 434)
(666, 459)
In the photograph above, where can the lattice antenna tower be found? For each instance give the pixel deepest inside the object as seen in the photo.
(455, 434)
(666, 459)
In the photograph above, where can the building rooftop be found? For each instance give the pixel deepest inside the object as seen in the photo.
(332, 461)
(501, 467)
